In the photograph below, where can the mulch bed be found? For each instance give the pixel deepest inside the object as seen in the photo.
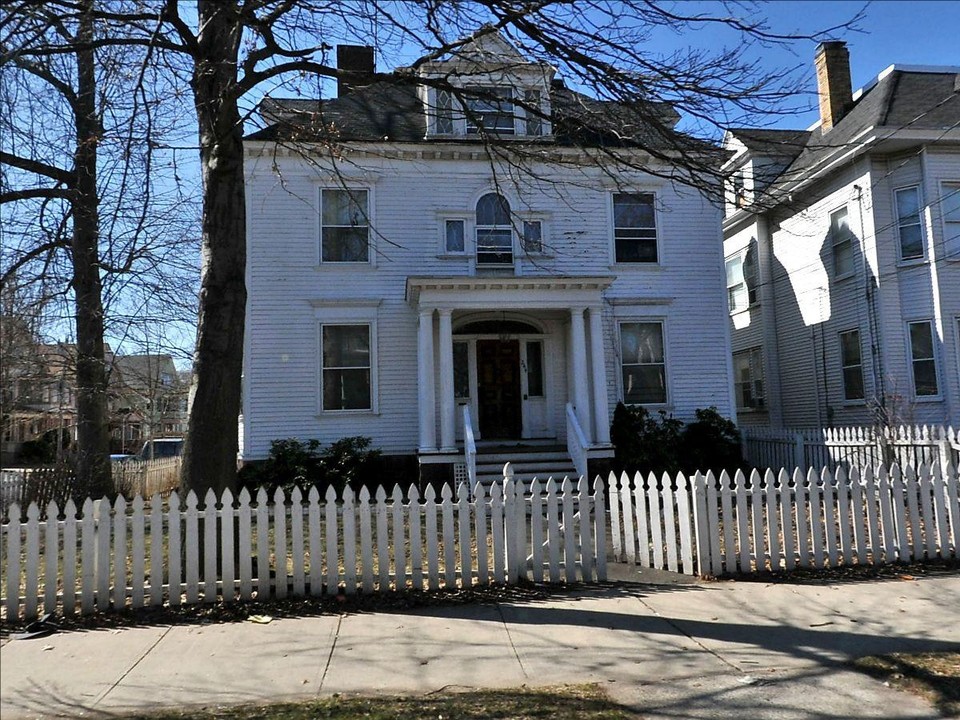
(856, 573)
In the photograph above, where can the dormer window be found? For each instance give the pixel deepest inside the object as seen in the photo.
(444, 119)
(491, 109)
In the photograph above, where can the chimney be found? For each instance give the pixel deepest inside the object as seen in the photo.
(356, 66)
(833, 82)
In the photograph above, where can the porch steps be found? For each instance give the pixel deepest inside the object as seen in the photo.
(529, 460)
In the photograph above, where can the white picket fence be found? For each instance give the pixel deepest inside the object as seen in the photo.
(849, 447)
(780, 521)
(166, 552)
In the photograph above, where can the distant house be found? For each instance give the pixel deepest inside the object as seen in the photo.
(842, 247)
(149, 400)
(400, 270)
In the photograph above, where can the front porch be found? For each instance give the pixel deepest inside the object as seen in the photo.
(524, 356)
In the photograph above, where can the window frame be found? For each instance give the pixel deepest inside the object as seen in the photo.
(512, 217)
(945, 224)
(899, 225)
(371, 251)
(612, 209)
(754, 357)
(641, 320)
(348, 312)
(911, 360)
(844, 366)
(483, 94)
(836, 240)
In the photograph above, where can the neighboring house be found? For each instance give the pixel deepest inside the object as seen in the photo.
(842, 248)
(397, 272)
(148, 400)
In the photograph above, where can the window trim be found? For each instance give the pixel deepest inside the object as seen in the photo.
(954, 257)
(371, 234)
(657, 227)
(641, 320)
(455, 216)
(742, 254)
(843, 367)
(762, 407)
(348, 312)
(901, 260)
(934, 356)
(475, 228)
(834, 242)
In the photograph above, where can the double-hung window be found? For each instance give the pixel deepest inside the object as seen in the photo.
(643, 364)
(490, 109)
(841, 241)
(345, 225)
(532, 236)
(923, 361)
(748, 379)
(950, 210)
(346, 373)
(494, 231)
(909, 231)
(741, 280)
(851, 363)
(635, 227)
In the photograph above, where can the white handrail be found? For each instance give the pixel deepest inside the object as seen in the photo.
(576, 442)
(469, 449)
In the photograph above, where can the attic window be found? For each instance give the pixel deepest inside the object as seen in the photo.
(444, 122)
(492, 109)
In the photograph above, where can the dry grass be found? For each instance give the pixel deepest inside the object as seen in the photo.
(931, 675)
(580, 702)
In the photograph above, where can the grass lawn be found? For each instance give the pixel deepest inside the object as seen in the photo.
(569, 702)
(933, 675)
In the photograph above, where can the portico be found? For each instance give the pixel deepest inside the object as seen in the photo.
(506, 346)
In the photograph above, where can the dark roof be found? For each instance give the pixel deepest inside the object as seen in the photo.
(901, 99)
(772, 142)
(391, 110)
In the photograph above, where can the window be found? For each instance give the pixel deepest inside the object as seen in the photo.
(490, 109)
(634, 227)
(739, 191)
(534, 123)
(534, 368)
(532, 236)
(345, 226)
(461, 369)
(454, 236)
(748, 379)
(494, 231)
(950, 209)
(908, 223)
(643, 367)
(444, 113)
(851, 363)
(345, 353)
(923, 361)
(741, 280)
(841, 240)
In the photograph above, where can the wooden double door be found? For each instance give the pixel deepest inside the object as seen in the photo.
(499, 392)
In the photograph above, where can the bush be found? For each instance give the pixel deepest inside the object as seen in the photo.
(293, 462)
(664, 444)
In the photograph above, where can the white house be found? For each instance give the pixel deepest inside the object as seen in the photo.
(842, 246)
(401, 269)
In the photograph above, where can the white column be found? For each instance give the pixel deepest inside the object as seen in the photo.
(448, 408)
(581, 394)
(425, 381)
(601, 409)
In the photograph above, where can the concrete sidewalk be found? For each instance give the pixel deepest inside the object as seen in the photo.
(663, 646)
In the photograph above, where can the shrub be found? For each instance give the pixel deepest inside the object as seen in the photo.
(711, 442)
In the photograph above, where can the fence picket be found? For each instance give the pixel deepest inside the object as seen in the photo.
(926, 508)
(87, 556)
(553, 530)
(119, 590)
(399, 540)
(843, 515)
(333, 551)
(464, 526)
(683, 511)
(727, 520)
(244, 544)
(51, 558)
(912, 487)
(366, 541)
(669, 523)
(600, 530)
(785, 506)
(536, 530)
(210, 546)
(629, 538)
(569, 538)
(192, 550)
(586, 549)
(264, 586)
(316, 541)
(31, 562)
(228, 550)
(756, 517)
(938, 488)
(13, 561)
(416, 548)
(615, 506)
(953, 510)
(449, 539)
(175, 574)
(857, 510)
(801, 516)
(383, 540)
(654, 514)
(870, 499)
(297, 554)
(743, 533)
(816, 517)
(139, 552)
(349, 542)
(886, 516)
(102, 567)
(773, 525)
(480, 518)
(156, 551)
(829, 516)
(69, 557)
(643, 521)
(713, 523)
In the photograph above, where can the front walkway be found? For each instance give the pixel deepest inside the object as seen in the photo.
(669, 648)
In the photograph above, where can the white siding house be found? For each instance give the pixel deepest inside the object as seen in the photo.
(410, 271)
(849, 313)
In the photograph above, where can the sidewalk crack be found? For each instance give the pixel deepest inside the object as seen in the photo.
(513, 646)
(333, 646)
(131, 668)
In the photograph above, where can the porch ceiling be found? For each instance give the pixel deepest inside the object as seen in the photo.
(481, 293)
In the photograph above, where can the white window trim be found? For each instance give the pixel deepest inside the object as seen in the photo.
(936, 361)
(658, 226)
(542, 218)
(442, 218)
(923, 233)
(833, 258)
(667, 404)
(348, 312)
(863, 378)
(943, 220)
(371, 260)
(742, 254)
(762, 408)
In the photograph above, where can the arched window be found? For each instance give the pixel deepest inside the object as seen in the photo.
(494, 231)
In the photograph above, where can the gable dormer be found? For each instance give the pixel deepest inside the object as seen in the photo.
(486, 87)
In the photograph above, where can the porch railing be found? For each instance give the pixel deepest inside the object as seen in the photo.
(469, 450)
(577, 442)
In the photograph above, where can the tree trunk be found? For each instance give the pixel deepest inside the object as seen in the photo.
(93, 438)
(210, 452)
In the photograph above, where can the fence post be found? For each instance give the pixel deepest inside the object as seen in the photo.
(799, 453)
(701, 525)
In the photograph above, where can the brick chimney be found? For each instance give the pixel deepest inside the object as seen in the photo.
(356, 65)
(832, 61)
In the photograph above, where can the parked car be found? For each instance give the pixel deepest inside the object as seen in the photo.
(161, 448)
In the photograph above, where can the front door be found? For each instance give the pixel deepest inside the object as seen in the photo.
(498, 388)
